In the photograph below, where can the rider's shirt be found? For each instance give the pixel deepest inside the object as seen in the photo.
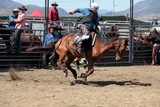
(91, 22)
(49, 39)
(11, 17)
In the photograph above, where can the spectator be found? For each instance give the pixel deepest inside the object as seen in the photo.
(154, 37)
(155, 22)
(52, 36)
(13, 15)
(20, 25)
(54, 15)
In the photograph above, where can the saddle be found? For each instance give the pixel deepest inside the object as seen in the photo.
(81, 47)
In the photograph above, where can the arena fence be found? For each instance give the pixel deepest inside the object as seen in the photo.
(141, 53)
(33, 28)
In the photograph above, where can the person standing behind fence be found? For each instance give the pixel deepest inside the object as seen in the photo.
(54, 15)
(52, 36)
(154, 37)
(155, 22)
(20, 25)
(13, 15)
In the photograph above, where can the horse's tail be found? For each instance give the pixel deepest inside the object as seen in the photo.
(38, 49)
(50, 47)
(54, 51)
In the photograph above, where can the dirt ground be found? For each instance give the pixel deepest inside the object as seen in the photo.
(122, 86)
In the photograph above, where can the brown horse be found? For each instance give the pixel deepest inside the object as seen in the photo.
(95, 48)
(27, 39)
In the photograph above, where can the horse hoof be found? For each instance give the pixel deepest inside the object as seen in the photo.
(73, 83)
(75, 76)
(83, 75)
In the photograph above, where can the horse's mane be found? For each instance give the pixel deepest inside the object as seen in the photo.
(106, 40)
(111, 35)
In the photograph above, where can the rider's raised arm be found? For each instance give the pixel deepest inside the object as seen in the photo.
(73, 12)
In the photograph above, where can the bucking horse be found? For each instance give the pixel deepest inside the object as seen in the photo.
(95, 48)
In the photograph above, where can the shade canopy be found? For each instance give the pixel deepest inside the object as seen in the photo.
(36, 13)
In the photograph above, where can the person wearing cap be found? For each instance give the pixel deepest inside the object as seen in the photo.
(13, 15)
(20, 25)
(52, 36)
(90, 23)
(155, 22)
(54, 15)
(154, 38)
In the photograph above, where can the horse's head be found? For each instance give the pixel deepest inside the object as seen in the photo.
(120, 47)
(113, 28)
(113, 32)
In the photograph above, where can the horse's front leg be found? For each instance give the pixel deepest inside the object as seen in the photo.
(90, 66)
(88, 72)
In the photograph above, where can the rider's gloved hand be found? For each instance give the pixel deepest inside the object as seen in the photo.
(99, 27)
(71, 13)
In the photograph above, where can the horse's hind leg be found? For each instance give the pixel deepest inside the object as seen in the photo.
(59, 63)
(68, 62)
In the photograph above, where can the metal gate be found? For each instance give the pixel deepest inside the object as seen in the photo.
(136, 54)
(24, 58)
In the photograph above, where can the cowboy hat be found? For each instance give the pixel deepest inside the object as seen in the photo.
(23, 8)
(60, 28)
(54, 4)
(15, 10)
(53, 26)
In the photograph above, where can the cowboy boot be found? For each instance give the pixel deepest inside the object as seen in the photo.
(76, 41)
(80, 39)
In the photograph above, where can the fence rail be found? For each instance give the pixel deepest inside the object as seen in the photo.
(142, 53)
